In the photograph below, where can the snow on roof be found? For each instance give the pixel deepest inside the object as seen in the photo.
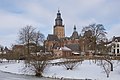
(56, 60)
(75, 53)
(65, 48)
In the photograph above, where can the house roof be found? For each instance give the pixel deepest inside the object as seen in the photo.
(116, 38)
(18, 46)
(74, 47)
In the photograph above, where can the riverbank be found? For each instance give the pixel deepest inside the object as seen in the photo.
(86, 70)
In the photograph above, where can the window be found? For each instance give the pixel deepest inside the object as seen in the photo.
(117, 50)
(113, 50)
(117, 45)
(114, 45)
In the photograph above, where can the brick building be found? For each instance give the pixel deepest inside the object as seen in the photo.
(57, 40)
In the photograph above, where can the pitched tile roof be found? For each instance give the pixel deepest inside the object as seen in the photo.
(52, 37)
(74, 47)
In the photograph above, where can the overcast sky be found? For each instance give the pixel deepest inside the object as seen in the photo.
(16, 14)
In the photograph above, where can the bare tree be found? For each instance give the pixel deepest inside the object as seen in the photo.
(38, 61)
(70, 64)
(38, 39)
(98, 31)
(107, 66)
(1, 51)
(93, 34)
(26, 36)
(106, 59)
(104, 49)
(95, 37)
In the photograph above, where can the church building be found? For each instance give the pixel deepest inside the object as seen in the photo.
(57, 40)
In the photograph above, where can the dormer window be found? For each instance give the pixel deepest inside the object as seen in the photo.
(116, 40)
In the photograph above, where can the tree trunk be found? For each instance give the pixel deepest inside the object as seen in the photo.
(110, 64)
(38, 74)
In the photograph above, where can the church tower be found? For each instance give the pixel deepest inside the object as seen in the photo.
(74, 34)
(59, 27)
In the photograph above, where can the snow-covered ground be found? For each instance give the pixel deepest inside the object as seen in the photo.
(87, 69)
(16, 68)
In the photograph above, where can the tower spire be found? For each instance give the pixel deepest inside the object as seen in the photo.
(75, 33)
(59, 27)
(58, 10)
(58, 20)
(74, 27)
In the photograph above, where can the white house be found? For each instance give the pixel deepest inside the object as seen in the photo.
(115, 48)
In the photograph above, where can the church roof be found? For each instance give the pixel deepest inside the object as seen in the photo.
(58, 15)
(58, 20)
(75, 34)
(52, 37)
